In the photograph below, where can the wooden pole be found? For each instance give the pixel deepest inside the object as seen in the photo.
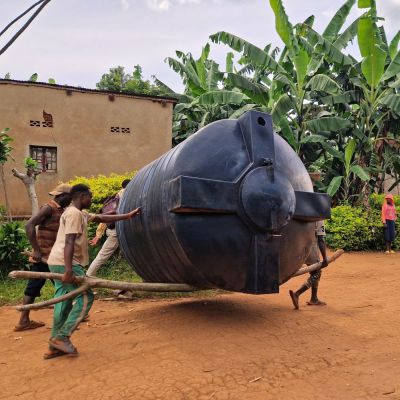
(105, 283)
(54, 300)
(86, 282)
(314, 267)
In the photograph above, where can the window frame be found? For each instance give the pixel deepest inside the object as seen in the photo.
(44, 162)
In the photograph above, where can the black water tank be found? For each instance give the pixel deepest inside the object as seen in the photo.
(231, 207)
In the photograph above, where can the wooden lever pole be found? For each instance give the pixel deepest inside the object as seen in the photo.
(314, 267)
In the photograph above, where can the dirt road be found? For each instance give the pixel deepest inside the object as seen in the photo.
(231, 346)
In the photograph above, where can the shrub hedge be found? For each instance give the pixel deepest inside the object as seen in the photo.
(13, 242)
(102, 186)
(355, 228)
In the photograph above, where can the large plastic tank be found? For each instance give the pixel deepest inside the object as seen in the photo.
(231, 207)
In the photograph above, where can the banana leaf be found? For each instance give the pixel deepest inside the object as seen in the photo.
(347, 35)
(394, 44)
(256, 92)
(254, 53)
(334, 185)
(327, 48)
(335, 25)
(221, 97)
(327, 124)
(287, 133)
(360, 172)
(239, 112)
(284, 104)
(348, 154)
(323, 83)
(373, 64)
(352, 96)
(392, 101)
(394, 67)
(283, 26)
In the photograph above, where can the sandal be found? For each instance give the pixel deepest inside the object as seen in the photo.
(63, 345)
(31, 325)
(53, 353)
(319, 303)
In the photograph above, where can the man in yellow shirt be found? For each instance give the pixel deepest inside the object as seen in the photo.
(68, 256)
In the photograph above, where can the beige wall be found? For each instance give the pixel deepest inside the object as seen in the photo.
(81, 133)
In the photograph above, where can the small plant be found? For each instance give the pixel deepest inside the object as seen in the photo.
(13, 242)
(30, 163)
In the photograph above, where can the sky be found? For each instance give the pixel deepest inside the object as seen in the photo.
(76, 41)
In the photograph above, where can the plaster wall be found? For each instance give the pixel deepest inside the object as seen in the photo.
(81, 133)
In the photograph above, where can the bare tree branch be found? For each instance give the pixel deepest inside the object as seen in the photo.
(34, 15)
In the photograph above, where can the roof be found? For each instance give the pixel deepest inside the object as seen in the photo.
(86, 90)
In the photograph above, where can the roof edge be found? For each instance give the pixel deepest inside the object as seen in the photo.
(86, 90)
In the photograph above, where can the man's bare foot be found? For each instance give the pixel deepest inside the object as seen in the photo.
(316, 303)
(295, 299)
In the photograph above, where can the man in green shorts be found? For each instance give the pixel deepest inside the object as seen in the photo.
(68, 257)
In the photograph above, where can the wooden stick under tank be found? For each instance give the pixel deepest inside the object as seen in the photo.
(89, 282)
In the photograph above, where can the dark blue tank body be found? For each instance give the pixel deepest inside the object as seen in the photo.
(231, 207)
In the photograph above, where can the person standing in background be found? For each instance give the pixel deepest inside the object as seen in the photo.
(389, 217)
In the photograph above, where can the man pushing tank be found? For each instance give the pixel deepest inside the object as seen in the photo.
(315, 276)
(313, 258)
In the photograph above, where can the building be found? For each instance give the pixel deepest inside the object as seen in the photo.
(73, 131)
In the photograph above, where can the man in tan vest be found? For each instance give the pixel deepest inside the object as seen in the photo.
(47, 220)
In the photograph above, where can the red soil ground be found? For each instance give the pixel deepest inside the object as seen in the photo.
(232, 346)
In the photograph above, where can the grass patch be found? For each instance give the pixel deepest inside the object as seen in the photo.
(117, 269)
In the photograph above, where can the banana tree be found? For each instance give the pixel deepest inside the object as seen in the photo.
(352, 169)
(370, 99)
(300, 76)
(205, 98)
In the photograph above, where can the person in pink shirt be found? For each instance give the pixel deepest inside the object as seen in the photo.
(388, 219)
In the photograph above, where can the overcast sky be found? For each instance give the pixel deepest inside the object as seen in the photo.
(76, 41)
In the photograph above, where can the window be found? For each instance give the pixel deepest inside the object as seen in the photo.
(46, 157)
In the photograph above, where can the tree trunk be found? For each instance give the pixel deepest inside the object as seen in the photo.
(3, 179)
(29, 182)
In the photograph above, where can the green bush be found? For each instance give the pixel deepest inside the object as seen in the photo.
(354, 228)
(348, 229)
(13, 242)
(3, 213)
(102, 187)
(376, 201)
